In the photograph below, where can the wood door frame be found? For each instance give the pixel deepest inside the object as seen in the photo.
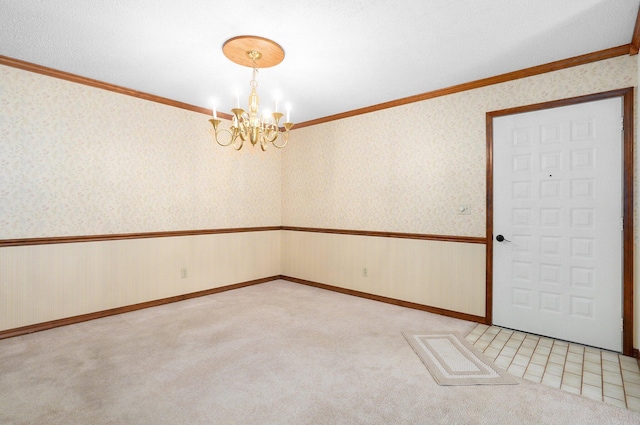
(627, 192)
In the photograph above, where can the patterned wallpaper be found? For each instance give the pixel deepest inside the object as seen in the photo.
(77, 160)
(409, 168)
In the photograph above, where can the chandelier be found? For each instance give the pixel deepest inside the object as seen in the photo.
(255, 52)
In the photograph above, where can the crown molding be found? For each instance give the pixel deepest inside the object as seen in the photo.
(51, 72)
(510, 76)
(635, 40)
(625, 49)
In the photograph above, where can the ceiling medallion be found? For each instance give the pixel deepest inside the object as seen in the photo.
(254, 52)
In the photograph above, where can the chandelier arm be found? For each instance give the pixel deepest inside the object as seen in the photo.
(243, 131)
(271, 134)
(285, 136)
(231, 137)
(245, 126)
(238, 146)
(232, 133)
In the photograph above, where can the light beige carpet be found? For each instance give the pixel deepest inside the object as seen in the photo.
(453, 361)
(274, 353)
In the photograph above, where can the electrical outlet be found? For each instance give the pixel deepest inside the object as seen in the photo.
(364, 272)
(183, 272)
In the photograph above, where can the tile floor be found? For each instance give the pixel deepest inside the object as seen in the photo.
(601, 375)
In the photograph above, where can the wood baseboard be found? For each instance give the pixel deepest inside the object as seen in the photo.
(9, 333)
(408, 304)
(126, 309)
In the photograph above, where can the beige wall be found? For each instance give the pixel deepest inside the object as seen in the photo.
(408, 169)
(40, 283)
(446, 275)
(78, 160)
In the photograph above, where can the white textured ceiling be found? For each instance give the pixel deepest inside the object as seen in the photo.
(340, 55)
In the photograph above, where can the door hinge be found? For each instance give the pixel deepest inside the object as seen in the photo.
(621, 324)
(622, 224)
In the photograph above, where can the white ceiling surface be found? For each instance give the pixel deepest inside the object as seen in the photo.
(340, 55)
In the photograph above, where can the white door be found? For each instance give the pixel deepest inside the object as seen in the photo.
(557, 202)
